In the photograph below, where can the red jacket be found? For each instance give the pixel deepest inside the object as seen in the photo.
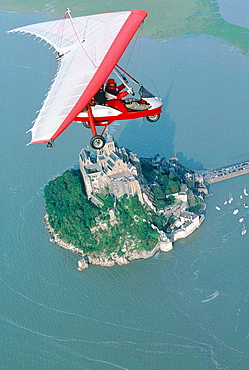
(116, 91)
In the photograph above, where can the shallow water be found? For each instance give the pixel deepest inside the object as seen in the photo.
(235, 12)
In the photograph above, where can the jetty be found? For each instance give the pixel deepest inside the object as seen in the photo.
(224, 173)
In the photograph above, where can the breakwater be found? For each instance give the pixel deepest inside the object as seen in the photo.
(225, 173)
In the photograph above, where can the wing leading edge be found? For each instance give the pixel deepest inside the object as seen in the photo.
(91, 46)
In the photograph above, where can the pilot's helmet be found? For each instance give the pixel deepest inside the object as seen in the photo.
(111, 83)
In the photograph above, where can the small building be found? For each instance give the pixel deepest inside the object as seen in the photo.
(181, 196)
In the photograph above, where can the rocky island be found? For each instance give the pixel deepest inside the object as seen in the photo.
(117, 207)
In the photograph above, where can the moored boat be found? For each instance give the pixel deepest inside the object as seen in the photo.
(243, 232)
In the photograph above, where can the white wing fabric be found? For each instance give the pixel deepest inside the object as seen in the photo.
(90, 47)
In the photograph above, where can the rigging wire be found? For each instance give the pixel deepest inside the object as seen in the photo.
(77, 36)
(136, 45)
(63, 27)
(139, 47)
(138, 37)
(155, 87)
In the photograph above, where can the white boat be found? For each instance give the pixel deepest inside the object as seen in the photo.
(243, 230)
(218, 208)
(225, 202)
(230, 198)
(245, 192)
(241, 196)
(241, 219)
(235, 211)
(246, 205)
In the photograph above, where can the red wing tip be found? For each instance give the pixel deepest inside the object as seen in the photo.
(38, 141)
(141, 12)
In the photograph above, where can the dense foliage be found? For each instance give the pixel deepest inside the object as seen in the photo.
(78, 221)
(163, 184)
(70, 213)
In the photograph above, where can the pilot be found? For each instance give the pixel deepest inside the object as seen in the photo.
(114, 94)
(112, 91)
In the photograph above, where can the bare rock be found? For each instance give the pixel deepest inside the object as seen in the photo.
(83, 264)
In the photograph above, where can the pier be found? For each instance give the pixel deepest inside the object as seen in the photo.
(225, 173)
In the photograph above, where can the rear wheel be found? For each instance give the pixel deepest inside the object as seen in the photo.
(153, 118)
(97, 142)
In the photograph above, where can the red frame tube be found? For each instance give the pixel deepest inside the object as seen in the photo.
(91, 120)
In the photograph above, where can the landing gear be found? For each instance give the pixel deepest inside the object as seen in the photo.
(153, 118)
(85, 124)
(97, 142)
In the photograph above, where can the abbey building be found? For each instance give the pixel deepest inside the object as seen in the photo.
(114, 170)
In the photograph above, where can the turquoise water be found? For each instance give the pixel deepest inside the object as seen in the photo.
(186, 309)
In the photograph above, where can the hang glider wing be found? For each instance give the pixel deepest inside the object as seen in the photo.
(90, 47)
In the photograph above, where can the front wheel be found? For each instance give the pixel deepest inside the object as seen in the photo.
(153, 118)
(97, 142)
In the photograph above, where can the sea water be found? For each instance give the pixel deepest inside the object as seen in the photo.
(186, 309)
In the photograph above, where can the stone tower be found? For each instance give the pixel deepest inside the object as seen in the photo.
(114, 170)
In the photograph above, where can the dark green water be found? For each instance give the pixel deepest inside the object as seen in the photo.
(186, 309)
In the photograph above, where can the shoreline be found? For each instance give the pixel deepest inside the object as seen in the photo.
(61, 243)
(232, 33)
(163, 244)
